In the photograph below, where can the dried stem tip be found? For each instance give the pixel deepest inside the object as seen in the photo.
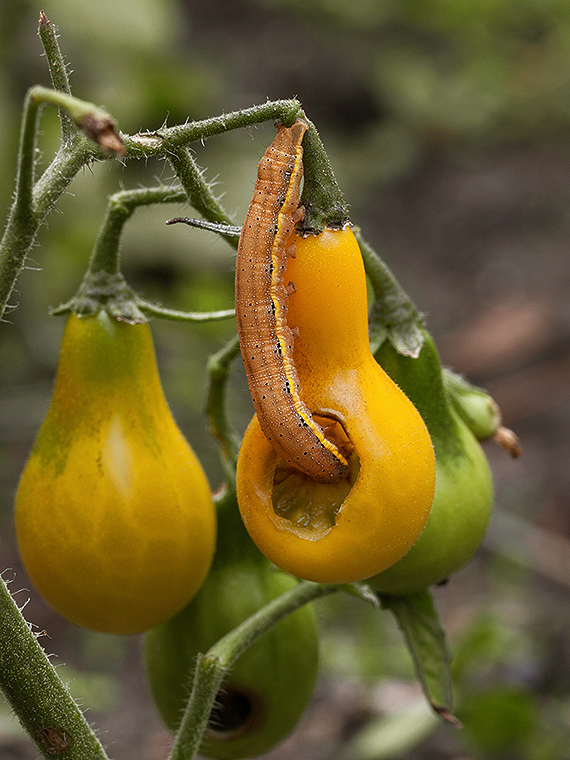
(101, 129)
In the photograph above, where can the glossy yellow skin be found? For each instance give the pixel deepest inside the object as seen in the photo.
(382, 509)
(114, 518)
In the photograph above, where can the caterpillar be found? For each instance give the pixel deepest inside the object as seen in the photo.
(266, 340)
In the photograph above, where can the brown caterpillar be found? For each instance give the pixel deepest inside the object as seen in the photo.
(266, 340)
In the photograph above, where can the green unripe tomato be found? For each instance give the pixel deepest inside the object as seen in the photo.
(463, 498)
(474, 405)
(458, 520)
(270, 685)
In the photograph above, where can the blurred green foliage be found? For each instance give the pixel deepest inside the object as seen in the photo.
(498, 667)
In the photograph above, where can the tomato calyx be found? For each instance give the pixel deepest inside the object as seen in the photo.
(106, 291)
(322, 198)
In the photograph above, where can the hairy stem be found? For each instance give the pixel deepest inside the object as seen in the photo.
(199, 192)
(154, 310)
(93, 121)
(121, 206)
(58, 72)
(23, 220)
(159, 142)
(103, 285)
(219, 365)
(37, 695)
(33, 200)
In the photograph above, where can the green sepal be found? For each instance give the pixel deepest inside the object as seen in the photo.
(102, 290)
(361, 591)
(393, 315)
(322, 198)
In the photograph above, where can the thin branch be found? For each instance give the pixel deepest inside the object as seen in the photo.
(93, 121)
(147, 144)
(219, 365)
(24, 211)
(55, 180)
(121, 206)
(58, 72)
(103, 284)
(154, 310)
(34, 201)
(227, 230)
(23, 220)
(199, 192)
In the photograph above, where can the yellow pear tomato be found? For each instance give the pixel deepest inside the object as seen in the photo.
(346, 531)
(114, 518)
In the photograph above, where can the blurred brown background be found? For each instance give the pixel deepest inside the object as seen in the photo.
(448, 126)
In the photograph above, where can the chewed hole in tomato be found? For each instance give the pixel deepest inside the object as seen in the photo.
(311, 507)
(236, 713)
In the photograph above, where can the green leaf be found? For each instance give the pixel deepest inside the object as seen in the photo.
(393, 314)
(419, 621)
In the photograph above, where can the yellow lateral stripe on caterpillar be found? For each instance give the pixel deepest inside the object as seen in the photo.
(285, 227)
(266, 340)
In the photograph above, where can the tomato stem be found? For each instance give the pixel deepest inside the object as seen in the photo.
(34, 199)
(121, 206)
(103, 285)
(219, 365)
(176, 315)
(162, 142)
(36, 694)
(200, 193)
(58, 72)
(93, 121)
(322, 198)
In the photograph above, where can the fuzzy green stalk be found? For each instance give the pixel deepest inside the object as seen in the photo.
(58, 72)
(37, 695)
(199, 191)
(159, 142)
(219, 366)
